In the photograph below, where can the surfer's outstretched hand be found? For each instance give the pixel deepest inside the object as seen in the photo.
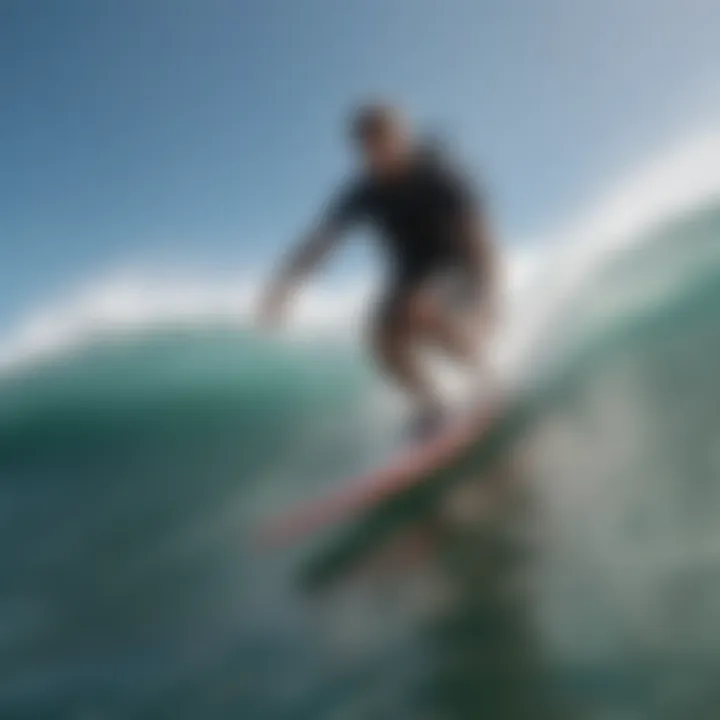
(274, 302)
(271, 309)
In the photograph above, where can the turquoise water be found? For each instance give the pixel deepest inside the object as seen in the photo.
(134, 474)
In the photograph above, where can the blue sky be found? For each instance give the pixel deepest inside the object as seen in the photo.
(208, 132)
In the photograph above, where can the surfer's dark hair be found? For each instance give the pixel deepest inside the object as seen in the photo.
(373, 120)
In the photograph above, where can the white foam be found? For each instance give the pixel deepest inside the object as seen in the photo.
(131, 301)
(683, 179)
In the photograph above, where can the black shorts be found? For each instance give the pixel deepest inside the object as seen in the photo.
(454, 287)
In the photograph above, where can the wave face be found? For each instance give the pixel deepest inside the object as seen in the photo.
(132, 473)
(134, 469)
(620, 448)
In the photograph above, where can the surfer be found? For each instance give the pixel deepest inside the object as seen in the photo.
(442, 279)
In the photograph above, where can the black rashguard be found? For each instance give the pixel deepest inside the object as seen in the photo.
(418, 216)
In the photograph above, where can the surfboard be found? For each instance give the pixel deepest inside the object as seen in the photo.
(365, 493)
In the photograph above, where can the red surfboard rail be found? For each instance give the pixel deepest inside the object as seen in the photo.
(366, 491)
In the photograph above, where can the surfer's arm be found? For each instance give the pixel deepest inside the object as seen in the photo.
(306, 257)
(313, 250)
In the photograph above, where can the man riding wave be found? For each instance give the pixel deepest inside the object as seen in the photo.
(442, 269)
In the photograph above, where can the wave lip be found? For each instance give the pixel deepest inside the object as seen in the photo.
(681, 182)
(132, 304)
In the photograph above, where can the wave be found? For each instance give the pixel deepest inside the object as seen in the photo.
(620, 447)
(145, 426)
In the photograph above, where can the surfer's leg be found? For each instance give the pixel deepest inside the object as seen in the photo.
(396, 353)
(395, 336)
(454, 335)
(450, 317)
(432, 319)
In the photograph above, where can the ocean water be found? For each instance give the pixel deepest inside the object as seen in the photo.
(570, 570)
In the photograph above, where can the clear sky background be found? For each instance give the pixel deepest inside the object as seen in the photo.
(208, 132)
